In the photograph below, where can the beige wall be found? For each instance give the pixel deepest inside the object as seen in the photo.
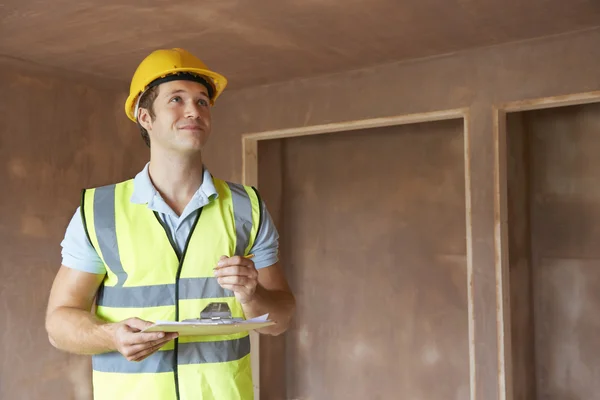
(553, 219)
(565, 257)
(59, 133)
(477, 80)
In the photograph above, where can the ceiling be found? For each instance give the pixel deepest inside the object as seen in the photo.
(263, 41)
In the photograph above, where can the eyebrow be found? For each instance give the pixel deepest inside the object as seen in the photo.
(183, 91)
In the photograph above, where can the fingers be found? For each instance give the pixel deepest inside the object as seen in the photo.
(236, 266)
(250, 272)
(235, 260)
(139, 351)
(146, 352)
(236, 280)
(136, 345)
(134, 336)
(238, 289)
(237, 276)
(137, 324)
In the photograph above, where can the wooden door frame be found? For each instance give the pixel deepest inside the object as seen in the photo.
(499, 113)
(250, 177)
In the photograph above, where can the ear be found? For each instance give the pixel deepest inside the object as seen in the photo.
(144, 118)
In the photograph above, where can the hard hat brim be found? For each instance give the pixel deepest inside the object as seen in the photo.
(218, 80)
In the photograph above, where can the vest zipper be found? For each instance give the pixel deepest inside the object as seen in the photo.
(179, 267)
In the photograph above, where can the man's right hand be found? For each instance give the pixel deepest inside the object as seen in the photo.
(72, 327)
(135, 345)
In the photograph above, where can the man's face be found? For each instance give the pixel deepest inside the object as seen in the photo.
(182, 117)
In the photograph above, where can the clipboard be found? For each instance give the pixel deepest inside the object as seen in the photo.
(209, 328)
(215, 319)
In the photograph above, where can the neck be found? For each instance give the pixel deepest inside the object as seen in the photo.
(176, 178)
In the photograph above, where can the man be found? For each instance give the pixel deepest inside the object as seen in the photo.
(161, 247)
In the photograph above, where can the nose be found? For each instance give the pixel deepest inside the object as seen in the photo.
(192, 110)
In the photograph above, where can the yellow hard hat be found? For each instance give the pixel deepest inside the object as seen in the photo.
(165, 62)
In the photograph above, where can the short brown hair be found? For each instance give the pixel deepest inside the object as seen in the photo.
(147, 102)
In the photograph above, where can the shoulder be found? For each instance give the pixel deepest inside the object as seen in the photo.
(106, 191)
(236, 189)
(128, 182)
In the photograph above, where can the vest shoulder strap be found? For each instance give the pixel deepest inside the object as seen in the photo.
(103, 196)
(245, 201)
(247, 210)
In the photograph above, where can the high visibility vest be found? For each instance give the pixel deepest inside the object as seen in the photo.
(146, 279)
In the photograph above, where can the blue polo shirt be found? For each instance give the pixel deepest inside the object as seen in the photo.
(78, 253)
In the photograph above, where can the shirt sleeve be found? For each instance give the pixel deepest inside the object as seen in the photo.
(77, 252)
(266, 245)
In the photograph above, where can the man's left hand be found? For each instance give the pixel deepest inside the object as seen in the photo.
(239, 275)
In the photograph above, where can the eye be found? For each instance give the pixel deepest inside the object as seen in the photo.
(175, 99)
(203, 102)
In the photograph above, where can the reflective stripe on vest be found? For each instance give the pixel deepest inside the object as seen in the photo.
(145, 279)
(162, 361)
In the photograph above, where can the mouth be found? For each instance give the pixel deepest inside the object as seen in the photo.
(192, 128)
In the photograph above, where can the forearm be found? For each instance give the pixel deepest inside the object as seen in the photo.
(280, 306)
(78, 331)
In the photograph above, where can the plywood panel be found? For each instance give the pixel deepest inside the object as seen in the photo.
(565, 202)
(375, 252)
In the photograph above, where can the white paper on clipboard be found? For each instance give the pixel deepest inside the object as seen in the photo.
(210, 327)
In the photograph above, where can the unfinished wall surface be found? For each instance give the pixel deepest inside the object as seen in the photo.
(43, 174)
(59, 133)
(565, 209)
(373, 234)
(478, 81)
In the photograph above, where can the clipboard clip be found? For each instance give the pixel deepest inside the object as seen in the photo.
(216, 312)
